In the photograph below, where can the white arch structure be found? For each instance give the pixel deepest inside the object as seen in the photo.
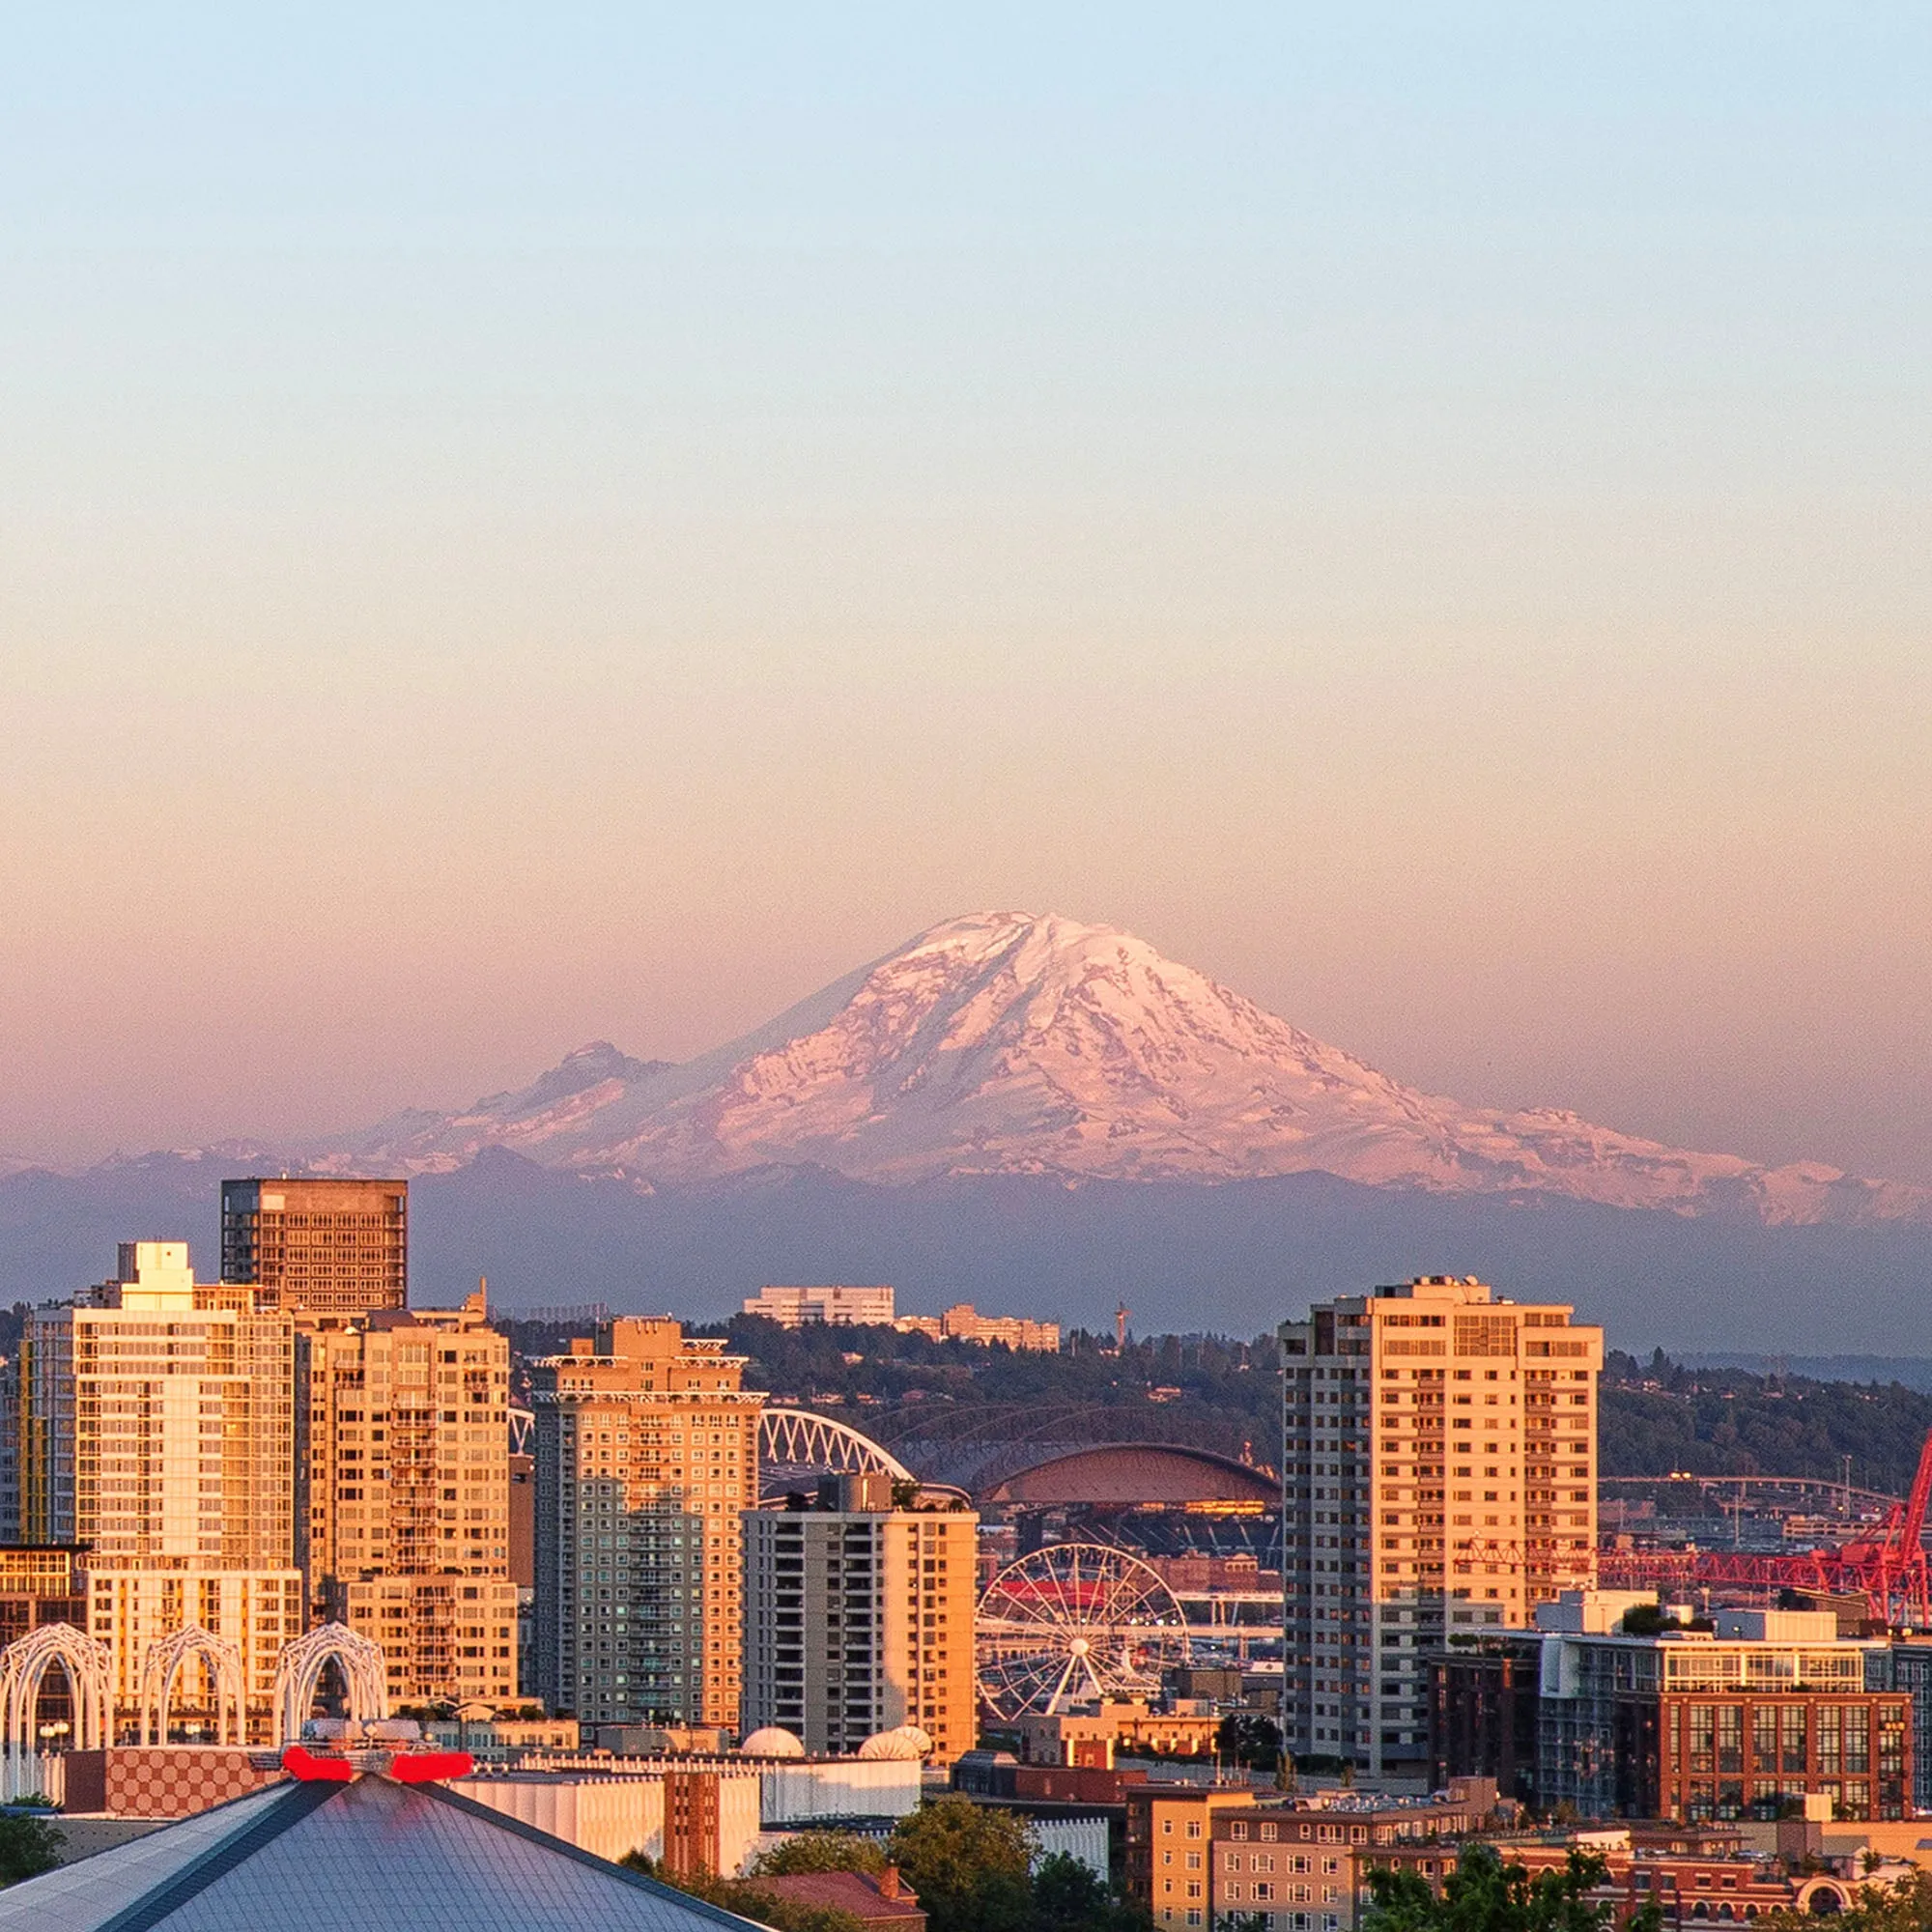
(299, 1667)
(162, 1671)
(793, 1443)
(24, 1664)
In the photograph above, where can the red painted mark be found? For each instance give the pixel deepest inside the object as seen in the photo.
(430, 1767)
(313, 1770)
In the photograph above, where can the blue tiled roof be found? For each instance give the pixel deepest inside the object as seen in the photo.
(369, 1856)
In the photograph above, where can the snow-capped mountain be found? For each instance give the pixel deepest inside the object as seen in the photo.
(1005, 1043)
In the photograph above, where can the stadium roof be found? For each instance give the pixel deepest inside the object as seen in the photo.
(350, 1857)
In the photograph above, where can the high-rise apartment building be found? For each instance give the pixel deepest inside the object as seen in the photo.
(859, 1618)
(647, 1451)
(329, 1247)
(40, 1585)
(157, 1429)
(157, 1421)
(1439, 1477)
(404, 1495)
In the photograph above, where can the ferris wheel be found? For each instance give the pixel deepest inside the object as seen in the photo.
(1074, 1622)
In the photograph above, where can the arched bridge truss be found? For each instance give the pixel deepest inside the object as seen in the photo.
(794, 1445)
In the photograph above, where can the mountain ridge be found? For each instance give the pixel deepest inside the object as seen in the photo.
(1015, 1043)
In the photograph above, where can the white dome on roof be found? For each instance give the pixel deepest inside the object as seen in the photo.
(768, 1740)
(907, 1741)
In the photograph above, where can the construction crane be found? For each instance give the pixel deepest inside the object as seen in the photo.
(1888, 1570)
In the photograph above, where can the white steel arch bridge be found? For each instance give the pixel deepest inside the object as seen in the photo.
(794, 1445)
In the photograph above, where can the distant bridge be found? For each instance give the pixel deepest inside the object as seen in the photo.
(1817, 1489)
(796, 1447)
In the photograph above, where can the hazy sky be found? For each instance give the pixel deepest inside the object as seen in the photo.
(520, 525)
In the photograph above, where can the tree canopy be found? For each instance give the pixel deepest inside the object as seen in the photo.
(970, 1865)
(28, 1846)
(1482, 1894)
(746, 1897)
(821, 1852)
(1906, 1906)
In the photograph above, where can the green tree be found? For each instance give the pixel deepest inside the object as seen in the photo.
(1906, 1906)
(1482, 1894)
(747, 1898)
(28, 1846)
(969, 1864)
(1066, 1898)
(786, 1914)
(1249, 1738)
(821, 1852)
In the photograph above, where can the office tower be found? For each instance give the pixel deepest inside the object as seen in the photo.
(158, 1429)
(1439, 1478)
(859, 1618)
(808, 1307)
(647, 1451)
(330, 1247)
(404, 1495)
(1745, 1722)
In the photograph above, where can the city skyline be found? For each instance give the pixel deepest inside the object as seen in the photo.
(1025, 906)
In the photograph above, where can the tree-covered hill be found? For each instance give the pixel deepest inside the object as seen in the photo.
(1224, 1394)
(1657, 1417)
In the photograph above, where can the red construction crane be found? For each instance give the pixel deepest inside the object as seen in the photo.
(1890, 1570)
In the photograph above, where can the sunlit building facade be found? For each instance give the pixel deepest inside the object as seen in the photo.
(1439, 1479)
(859, 1619)
(329, 1247)
(404, 1495)
(646, 1453)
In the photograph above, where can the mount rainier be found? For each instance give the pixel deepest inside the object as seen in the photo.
(1014, 1044)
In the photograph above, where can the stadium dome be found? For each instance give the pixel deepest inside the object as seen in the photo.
(768, 1740)
(907, 1741)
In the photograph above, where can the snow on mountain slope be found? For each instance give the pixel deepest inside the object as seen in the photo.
(1010, 1043)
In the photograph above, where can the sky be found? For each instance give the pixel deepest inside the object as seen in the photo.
(527, 524)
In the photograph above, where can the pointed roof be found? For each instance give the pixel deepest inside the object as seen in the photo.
(349, 1858)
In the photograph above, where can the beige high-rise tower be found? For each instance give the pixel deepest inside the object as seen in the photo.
(325, 1246)
(157, 1430)
(157, 1421)
(647, 1450)
(404, 1495)
(859, 1618)
(1439, 1478)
